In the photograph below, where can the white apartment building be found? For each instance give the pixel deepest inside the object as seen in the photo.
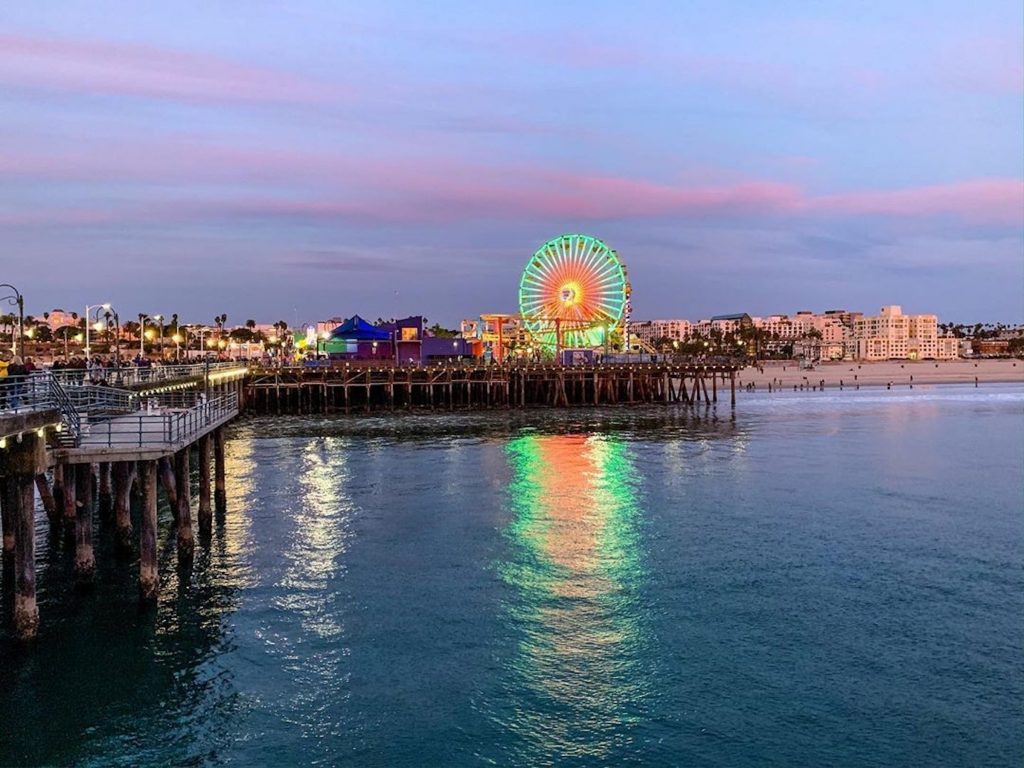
(650, 331)
(790, 328)
(892, 335)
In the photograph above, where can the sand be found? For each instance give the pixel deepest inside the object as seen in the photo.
(898, 374)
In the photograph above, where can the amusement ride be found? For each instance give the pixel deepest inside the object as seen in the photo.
(574, 294)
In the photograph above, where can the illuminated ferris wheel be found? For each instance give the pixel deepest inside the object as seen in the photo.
(573, 292)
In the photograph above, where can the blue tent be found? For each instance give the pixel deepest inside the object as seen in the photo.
(357, 329)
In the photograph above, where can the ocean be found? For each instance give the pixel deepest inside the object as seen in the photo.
(810, 579)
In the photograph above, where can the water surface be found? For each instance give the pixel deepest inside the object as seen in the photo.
(816, 579)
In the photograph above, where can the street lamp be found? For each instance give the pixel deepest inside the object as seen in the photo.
(160, 338)
(15, 299)
(89, 308)
(177, 347)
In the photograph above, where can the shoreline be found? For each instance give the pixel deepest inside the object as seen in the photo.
(785, 375)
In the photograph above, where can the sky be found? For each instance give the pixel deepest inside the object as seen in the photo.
(302, 160)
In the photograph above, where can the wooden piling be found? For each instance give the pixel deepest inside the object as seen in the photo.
(85, 559)
(220, 497)
(186, 539)
(9, 509)
(20, 465)
(167, 483)
(205, 512)
(122, 509)
(58, 490)
(149, 578)
(70, 505)
(26, 612)
(46, 496)
(105, 498)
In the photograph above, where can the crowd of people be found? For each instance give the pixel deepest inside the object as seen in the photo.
(97, 369)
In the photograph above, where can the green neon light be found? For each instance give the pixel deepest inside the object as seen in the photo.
(576, 575)
(587, 270)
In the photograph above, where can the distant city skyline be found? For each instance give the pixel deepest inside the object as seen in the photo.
(301, 162)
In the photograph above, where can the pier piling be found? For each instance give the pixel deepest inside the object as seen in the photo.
(85, 558)
(21, 463)
(105, 496)
(46, 497)
(122, 510)
(205, 512)
(167, 481)
(8, 508)
(219, 482)
(186, 538)
(149, 578)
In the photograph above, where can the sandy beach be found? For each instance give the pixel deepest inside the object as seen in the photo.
(851, 374)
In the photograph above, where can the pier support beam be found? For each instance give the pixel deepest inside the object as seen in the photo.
(220, 496)
(106, 499)
(85, 559)
(26, 612)
(149, 578)
(58, 490)
(9, 508)
(20, 465)
(70, 507)
(122, 510)
(186, 539)
(205, 511)
(46, 496)
(170, 489)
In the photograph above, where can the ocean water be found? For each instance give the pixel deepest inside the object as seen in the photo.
(813, 579)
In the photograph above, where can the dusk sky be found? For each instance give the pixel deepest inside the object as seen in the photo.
(298, 160)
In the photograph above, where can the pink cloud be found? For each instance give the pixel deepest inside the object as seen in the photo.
(986, 64)
(434, 188)
(150, 72)
(996, 201)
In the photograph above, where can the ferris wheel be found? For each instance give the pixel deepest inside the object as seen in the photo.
(573, 292)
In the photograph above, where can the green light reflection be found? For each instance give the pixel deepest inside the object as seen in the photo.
(576, 568)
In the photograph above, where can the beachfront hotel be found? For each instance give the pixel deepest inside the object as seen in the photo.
(834, 334)
(892, 335)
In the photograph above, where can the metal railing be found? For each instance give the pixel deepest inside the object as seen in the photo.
(38, 392)
(161, 426)
(98, 398)
(25, 394)
(133, 375)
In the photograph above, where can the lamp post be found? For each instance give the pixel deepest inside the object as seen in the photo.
(89, 308)
(160, 338)
(16, 299)
(142, 335)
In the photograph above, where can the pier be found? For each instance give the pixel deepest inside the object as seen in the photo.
(87, 446)
(370, 388)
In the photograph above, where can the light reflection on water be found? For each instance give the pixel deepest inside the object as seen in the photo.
(581, 678)
(594, 587)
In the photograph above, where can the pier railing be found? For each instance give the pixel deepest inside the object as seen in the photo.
(132, 375)
(159, 427)
(38, 392)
